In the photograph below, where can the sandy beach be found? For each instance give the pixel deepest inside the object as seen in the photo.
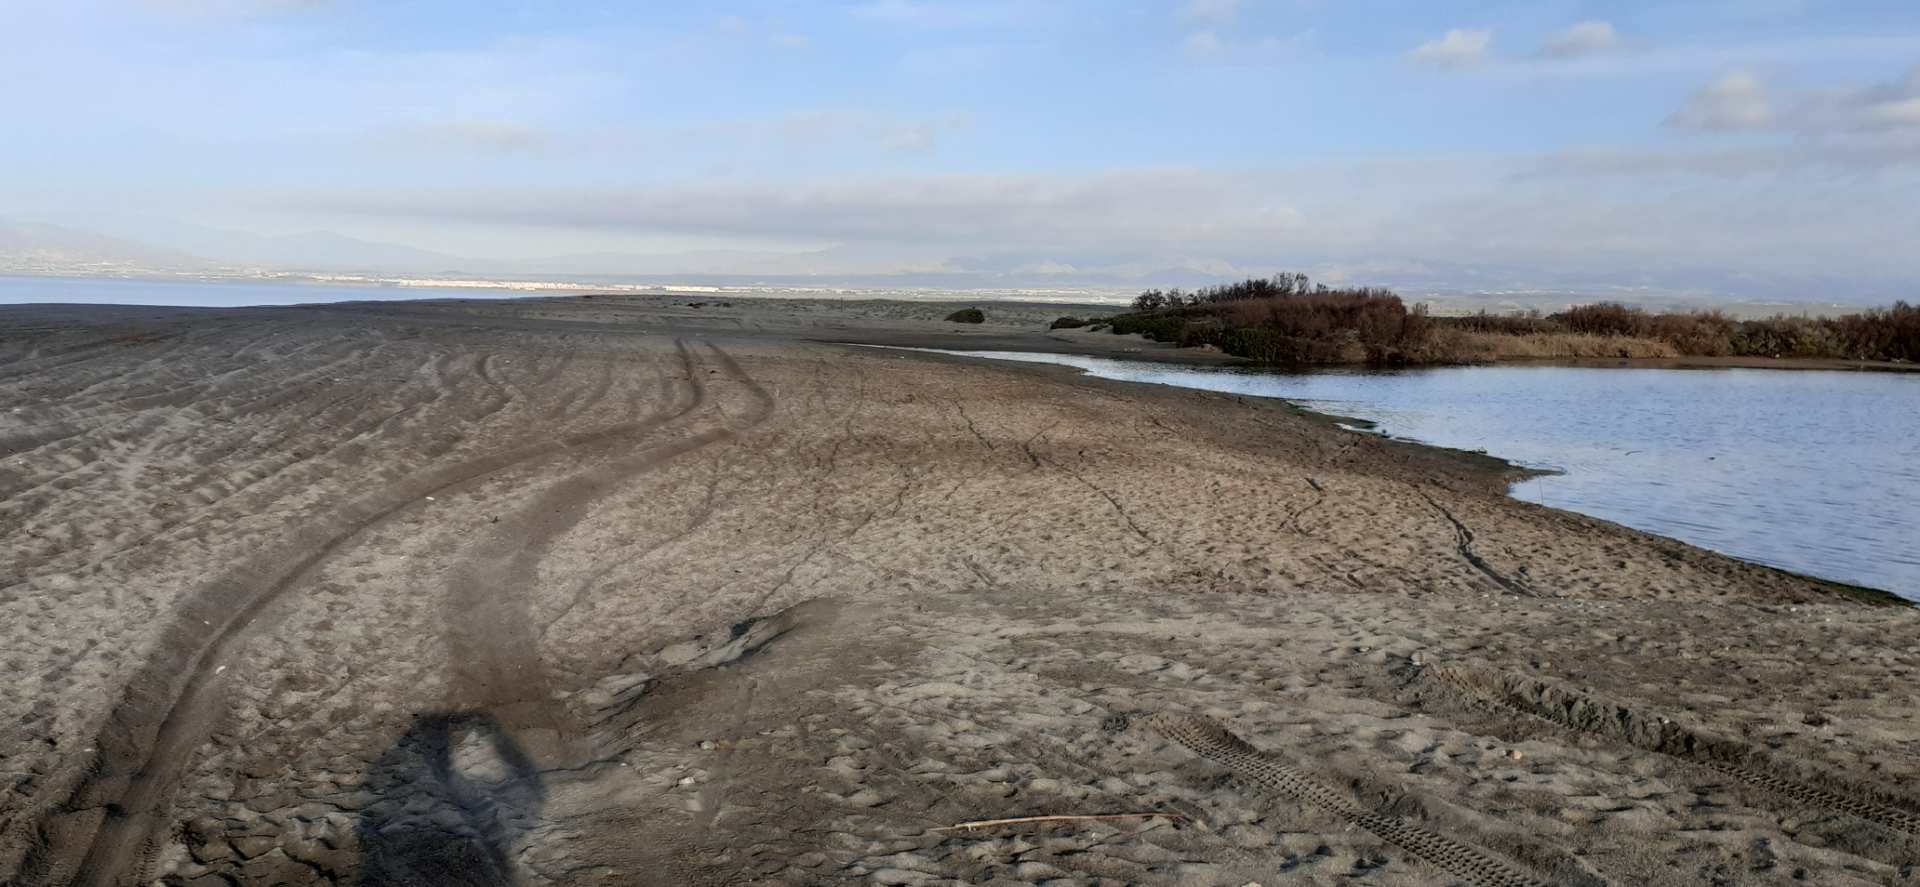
(634, 590)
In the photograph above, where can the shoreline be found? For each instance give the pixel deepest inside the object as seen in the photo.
(687, 567)
(1720, 363)
(1040, 340)
(1137, 347)
(1510, 473)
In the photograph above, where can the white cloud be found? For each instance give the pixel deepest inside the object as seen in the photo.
(1737, 100)
(963, 211)
(226, 101)
(1211, 44)
(465, 135)
(1581, 39)
(232, 7)
(1457, 48)
(1905, 112)
(735, 27)
(1892, 105)
(1638, 61)
(1848, 157)
(960, 14)
(1452, 211)
(1216, 11)
(1201, 43)
(801, 129)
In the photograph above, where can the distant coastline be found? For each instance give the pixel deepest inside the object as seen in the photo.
(509, 287)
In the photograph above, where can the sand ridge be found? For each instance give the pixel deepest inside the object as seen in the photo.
(625, 590)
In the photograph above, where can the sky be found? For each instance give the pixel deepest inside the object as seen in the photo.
(1762, 138)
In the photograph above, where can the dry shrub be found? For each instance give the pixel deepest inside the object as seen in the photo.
(1604, 319)
(1788, 337)
(1287, 320)
(1891, 334)
(1508, 324)
(1707, 333)
(1492, 346)
(1881, 333)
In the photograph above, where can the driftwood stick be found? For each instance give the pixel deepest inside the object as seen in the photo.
(988, 823)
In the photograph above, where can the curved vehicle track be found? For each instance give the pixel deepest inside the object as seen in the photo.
(1581, 713)
(310, 596)
(99, 834)
(1216, 743)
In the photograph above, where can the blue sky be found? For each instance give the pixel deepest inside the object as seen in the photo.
(1772, 137)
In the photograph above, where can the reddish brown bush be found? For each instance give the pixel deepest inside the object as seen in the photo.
(1287, 319)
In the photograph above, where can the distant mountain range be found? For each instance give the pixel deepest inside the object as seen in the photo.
(32, 247)
(26, 244)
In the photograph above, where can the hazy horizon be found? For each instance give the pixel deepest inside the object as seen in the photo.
(1741, 150)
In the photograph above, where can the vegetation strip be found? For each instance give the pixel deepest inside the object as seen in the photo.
(1289, 320)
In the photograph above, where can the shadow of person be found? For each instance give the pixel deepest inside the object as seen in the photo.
(450, 798)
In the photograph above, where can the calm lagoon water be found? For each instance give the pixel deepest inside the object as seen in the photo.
(1812, 471)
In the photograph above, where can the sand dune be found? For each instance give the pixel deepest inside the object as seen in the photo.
(623, 590)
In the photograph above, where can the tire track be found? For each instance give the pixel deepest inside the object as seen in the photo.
(1581, 713)
(493, 650)
(142, 364)
(96, 835)
(286, 391)
(138, 366)
(1463, 542)
(498, 398)
(1113, 501)
(526, 392)
(825, 468)
(53, 563)
(213, 457)
(104, 417)
(1216, 743)
(81, 353)
(708, 505)
(563, 407)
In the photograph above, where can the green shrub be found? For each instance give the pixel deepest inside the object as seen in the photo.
(1067, 323)
(1273, 347)
(1203, 331)
(967, 315)
(1263, 345)
(1158, 327)
(1604, 319)
(1880, 333)
(1504, 324)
